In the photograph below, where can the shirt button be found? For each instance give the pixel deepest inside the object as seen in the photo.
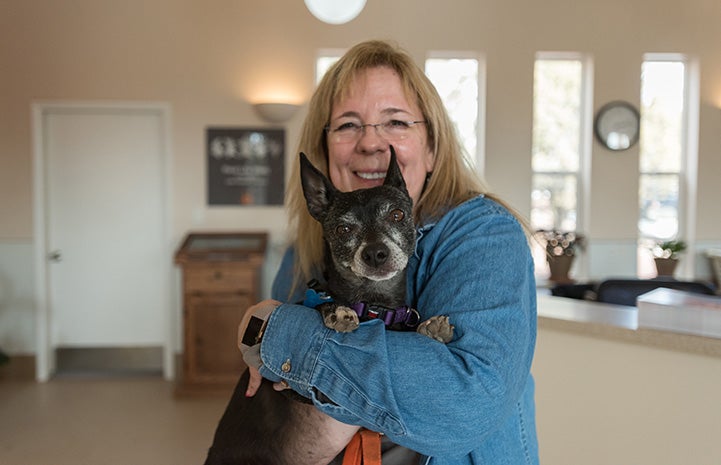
(285, 367)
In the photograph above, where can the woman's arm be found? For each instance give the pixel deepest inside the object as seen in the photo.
(437, 399)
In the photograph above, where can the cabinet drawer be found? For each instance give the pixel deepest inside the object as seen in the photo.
(219, 279)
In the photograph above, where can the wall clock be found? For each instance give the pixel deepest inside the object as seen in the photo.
(617, 125)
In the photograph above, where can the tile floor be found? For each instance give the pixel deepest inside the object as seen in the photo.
(104, 421)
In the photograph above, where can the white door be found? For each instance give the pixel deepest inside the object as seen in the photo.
(108, 260)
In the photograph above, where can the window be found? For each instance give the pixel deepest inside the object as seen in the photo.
(662, 154)
(560, 139)
(557, 143)
(326, 59)
(457, 79)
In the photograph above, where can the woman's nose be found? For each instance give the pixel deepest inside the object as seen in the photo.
(370, 140)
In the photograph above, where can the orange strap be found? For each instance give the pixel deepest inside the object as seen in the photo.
(364, 448)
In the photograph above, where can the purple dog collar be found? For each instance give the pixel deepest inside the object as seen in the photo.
(405, 315)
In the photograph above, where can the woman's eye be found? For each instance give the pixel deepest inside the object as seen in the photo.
(342, 229)
(397, 215)
(394, 123)
(348, 127)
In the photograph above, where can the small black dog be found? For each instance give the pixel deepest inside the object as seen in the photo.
(369, 237)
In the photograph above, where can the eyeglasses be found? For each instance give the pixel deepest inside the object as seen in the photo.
(392, 130)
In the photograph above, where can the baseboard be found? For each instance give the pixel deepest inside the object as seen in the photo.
(94, 361)
(19, 368)
(109, 360)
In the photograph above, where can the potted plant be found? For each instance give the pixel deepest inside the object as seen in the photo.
(561, 248)
(666, 255)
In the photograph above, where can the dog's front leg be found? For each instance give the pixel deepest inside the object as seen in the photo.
(338, 317)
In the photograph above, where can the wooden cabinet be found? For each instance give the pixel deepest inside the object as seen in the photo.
(221, 278)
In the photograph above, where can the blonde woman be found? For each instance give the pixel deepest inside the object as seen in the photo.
(469, 401)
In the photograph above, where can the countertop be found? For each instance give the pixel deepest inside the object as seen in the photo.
(616, 322)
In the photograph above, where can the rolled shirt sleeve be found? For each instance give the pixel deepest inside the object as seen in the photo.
(439, 399)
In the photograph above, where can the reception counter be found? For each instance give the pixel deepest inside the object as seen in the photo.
(617, 322)
(611, 393)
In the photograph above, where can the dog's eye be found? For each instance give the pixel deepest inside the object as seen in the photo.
(397, 215)
(342, 229)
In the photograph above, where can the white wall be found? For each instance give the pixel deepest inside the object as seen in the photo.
(210, 60)
(17, 311)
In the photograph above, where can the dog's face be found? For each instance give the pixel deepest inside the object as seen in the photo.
(369, 232)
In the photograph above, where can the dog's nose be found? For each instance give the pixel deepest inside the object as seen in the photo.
(375, 254)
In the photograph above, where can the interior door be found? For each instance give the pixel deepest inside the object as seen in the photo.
(108, 261)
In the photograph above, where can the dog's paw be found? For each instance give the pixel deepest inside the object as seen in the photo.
(438, 328)
(342, 319)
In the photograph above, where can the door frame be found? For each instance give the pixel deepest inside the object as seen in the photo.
(45, 352)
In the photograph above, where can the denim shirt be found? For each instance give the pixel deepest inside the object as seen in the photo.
(466, 402)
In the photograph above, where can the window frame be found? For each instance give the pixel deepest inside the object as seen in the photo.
(585, 145)
(688, 168)
(479, 158)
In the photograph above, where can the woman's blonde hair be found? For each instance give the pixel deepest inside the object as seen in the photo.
(451, 183)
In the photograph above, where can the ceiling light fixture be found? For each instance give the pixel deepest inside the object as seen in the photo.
(335, 11)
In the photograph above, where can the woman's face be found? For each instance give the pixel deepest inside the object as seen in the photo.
(360, 159)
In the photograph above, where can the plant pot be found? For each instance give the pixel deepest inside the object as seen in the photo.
(665, 266)
(560, 266)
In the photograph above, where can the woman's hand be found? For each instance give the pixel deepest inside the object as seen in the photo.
(251, 353)
(252, 359)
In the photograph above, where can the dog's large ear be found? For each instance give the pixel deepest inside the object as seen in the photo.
(394, 177)
(317, 189)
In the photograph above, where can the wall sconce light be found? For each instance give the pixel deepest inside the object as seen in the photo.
(276, 112)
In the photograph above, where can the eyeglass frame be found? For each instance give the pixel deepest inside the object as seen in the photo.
(361, 127)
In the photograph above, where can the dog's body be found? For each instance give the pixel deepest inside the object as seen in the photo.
(369, 236)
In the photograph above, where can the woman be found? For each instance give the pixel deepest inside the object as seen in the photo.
(469, 401)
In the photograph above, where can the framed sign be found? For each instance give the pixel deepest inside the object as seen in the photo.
(245, 166)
